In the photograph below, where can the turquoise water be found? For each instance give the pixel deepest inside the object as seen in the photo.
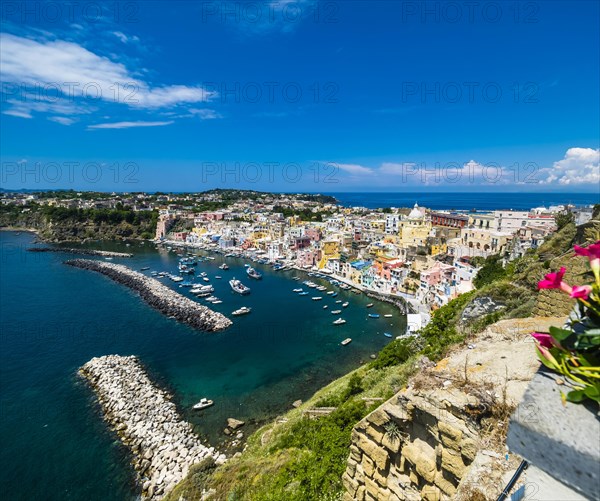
(54, 318)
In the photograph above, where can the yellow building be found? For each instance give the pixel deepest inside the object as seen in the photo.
(414, 229)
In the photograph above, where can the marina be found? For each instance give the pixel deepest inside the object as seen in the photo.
(239, 368)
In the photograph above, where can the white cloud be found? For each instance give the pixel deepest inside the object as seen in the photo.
(579, 166)
(63, 120)
(205, 113)
(68, 68)
(127, 125)
(124, 38)
(354, 169)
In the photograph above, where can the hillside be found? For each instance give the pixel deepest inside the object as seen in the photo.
(56, 224)
(296, 458)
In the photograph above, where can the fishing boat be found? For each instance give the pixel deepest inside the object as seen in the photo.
(345, 305)
(373, 315)
(239, 287)
(242, 311)
(252, 273)
(297, 290)
(203, 404)
(387, 334)
(224, 266)
(389, 315)
(346, 341)
(370, 305)
(145, 268)
(336, 312)
(339, 321)
(303, 294)
(317, 298)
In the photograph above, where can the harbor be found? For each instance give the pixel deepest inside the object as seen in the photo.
(158, 296)
(285, 349)
(163, 446)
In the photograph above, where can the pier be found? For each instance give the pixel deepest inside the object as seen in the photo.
(164, 447)
(159, 296)
(83, 252)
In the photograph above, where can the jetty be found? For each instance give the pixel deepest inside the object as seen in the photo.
(158, 296)
(164, 446)
(83, 252)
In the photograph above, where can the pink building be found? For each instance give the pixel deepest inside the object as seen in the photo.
(439, 272)
(308, 258)
(180, 236)
(313, 233)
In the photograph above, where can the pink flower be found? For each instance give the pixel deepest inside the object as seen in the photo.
(581, 292)
(544, 339)
(592, 252)
(555, 281)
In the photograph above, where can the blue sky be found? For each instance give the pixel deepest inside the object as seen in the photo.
(304, 95)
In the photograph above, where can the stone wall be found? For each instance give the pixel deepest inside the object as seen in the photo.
(440, 436)
(415, 446)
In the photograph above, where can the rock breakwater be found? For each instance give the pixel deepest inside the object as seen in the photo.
(83, 252)
(159, 296)
(164, 446)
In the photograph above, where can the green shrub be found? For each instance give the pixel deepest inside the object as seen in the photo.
(491, 271)
(395, 353)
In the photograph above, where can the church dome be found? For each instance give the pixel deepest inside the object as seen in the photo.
(415, 213)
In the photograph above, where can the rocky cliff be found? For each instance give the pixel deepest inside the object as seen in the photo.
(443, 437)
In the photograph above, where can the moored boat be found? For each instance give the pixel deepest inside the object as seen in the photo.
(346, 341)
(387, 334)
(339, 321)
(252, 273)
(239, 287)
(336, 312)
(373, 315)
(388, 315)
(242, 311)
(203, 404)
(370, 305)
(345, 305)
(317, 298)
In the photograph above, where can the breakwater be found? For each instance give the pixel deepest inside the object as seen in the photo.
(84, 252)
(159, 296)
(164, 446)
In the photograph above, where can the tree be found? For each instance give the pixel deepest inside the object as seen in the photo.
(564, 218)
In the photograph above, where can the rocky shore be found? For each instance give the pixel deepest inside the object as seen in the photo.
(159, 296)
(163, 445)
(84, 252)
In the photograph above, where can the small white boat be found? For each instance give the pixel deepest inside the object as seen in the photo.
(224, 267)
(218, 276)
(317, 298)
(242, 311)
(339, 321)
(325, 307)
(336, 312)
(338, 301)
(330, 292)
(218, 301)
(345, 304)
(389, 315)
(203, 404)
(346, 341)
(370, 305)
(296, 290)
(205, 279)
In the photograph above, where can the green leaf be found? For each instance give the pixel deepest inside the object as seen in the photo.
(560, 334)
(576, 396)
